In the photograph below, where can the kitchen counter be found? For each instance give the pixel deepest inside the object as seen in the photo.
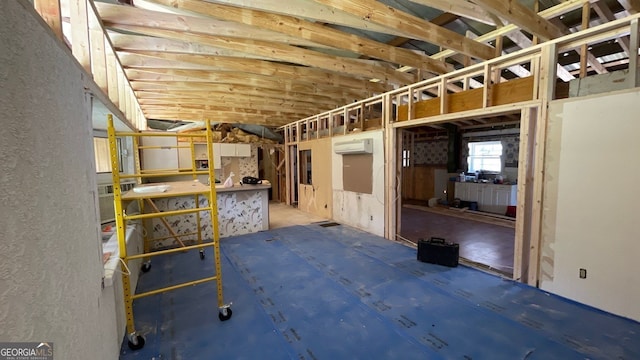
(493, 198)
(242, 209)
(244, 187)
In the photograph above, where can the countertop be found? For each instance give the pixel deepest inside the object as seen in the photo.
(244, 187)
(184, 188)
(485, 183)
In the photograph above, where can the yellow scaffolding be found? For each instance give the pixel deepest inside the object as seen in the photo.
(181, 188)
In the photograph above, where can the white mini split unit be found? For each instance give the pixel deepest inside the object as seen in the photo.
(360, 146)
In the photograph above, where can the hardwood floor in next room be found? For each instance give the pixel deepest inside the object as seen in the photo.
(484, 243)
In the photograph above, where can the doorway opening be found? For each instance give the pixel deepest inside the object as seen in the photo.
(459, 182)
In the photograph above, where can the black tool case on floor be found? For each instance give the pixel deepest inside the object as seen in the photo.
(438, 251)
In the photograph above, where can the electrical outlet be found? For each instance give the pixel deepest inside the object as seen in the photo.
(583, 273)
(371, 217)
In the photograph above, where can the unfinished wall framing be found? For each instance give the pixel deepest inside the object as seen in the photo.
(475, 92)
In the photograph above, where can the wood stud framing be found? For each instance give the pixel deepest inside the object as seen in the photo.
(49, 10)
(93, 50)
(543, 60)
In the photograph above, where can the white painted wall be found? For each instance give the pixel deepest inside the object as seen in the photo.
(363, 211)
(50, 254)
(591, 202)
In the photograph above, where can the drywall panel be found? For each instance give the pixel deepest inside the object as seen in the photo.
(50, 247)
(590, 217)
(363, 211)
(317, 197)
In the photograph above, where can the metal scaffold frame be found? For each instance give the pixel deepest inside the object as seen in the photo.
(136, 341)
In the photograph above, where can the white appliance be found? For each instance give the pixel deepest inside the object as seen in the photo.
(359, 146)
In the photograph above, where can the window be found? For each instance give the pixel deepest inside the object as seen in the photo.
(485, 156)
(406, 157)
(101, 152)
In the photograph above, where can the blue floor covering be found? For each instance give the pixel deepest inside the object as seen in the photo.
(311, 292)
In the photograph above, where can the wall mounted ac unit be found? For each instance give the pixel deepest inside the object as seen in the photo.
(360, 146)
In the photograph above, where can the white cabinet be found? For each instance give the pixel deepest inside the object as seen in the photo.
(235, 150)
(505, 195)
(493, 198)
(219, 150)
(184, 156)
(165, 157)
(243, 150)
(228, 150)
(200, 151)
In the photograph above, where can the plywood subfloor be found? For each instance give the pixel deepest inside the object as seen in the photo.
(283, 215)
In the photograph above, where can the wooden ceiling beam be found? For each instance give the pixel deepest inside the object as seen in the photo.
(211, 105)
(168, 108)
(258, 81)
(223, 98)
(302, 105)
(267, 68)
(414, 27)
(262, 110)
(175, 108)
(199, 115)
(362, 68)
(632, 6)
(549, 13)
(313, 32)
(335, 100)
(194, 108)
(307, 9)
(182, 86)
(128, 15)
(238, 110)
(591, 59)
(523, 17)
(157, 94)
(606, 14)
(141, 42)
(524, 42)
(461, 8)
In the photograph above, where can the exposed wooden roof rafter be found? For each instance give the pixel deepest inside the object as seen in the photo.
(313, 32)
(520, 15)
(412, 26)
(266, 68)
(366, 69)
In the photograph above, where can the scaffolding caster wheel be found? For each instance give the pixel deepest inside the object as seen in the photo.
(201, 254)
(136, 342)
(225, 313)
(146, 266)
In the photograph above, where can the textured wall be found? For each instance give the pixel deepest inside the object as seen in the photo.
(50, 267)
